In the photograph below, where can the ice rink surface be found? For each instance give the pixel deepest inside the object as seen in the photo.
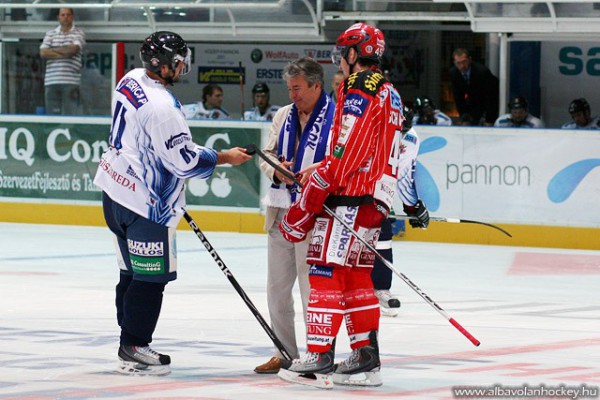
(536, 312)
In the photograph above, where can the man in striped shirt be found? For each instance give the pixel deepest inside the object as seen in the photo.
(62, 48)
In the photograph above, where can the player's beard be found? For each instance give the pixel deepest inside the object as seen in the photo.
(171, 78)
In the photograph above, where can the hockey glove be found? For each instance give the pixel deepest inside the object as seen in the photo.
(296, 224)
(320, 184)
(420, 212)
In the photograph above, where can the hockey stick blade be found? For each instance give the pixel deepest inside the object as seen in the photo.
(406, 280)
(236, 285)
(455, 221)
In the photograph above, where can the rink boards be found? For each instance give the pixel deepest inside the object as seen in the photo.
(540, 185)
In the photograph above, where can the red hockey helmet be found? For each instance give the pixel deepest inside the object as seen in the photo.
(366, 39)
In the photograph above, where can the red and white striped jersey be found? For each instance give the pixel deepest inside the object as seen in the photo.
(365, 137)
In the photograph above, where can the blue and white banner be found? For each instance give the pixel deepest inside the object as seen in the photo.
(537, 177)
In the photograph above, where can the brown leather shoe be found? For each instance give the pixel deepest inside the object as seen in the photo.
(270, 367)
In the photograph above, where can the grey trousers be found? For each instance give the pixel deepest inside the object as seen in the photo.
(286, 262)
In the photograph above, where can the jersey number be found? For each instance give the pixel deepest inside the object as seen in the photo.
(118, 126)
(395, 153)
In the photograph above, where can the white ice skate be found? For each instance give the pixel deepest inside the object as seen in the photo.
(142, 360)
(312, 369)
(388, 304)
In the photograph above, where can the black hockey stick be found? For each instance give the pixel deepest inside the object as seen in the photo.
(236, 285)
(455, 221)
(252, 149)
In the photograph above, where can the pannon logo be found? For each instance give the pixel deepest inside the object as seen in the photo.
(426, 186)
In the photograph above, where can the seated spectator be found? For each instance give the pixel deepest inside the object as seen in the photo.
(582, 116)
(427, 114)
(263, 110)
(209, 107)
(518, 116)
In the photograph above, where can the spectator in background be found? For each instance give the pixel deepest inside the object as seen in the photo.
(518, 116)
(427, 114)
(337, 79)
(263, 110)
(210, 107)
(62, 49)
(582, 116)
(475, 89)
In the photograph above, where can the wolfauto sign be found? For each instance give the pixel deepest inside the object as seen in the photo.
(58, 161)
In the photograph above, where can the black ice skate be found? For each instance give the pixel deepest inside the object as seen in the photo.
(312, 369)
(362, 367)
(142, 360)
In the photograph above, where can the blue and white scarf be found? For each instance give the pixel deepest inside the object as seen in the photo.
(312, 146)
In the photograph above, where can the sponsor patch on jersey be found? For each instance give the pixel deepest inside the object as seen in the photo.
(338, 150)
(395, 100)
(373, 81)
(320, 270)
(145, 249)
(132, 90)
(348, 122)
(340, 239)
(383, 95)
(176, 140)
(355, 104)
(316, 246)
(410, 138)
(148, 265)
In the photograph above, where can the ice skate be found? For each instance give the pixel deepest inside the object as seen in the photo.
(362, 367)
(312, 369)
(388, 303)
(142, 360)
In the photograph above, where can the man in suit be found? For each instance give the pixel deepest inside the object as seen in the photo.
(475, 89)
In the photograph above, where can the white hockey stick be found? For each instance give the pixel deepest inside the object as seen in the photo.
(252, 149)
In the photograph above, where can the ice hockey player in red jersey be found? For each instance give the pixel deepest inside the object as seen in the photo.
(357, 181)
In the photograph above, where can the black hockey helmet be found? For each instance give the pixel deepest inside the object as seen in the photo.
(580, 104)
(423, 102)
(165, 48)
(409, 115)
(260, 88)
(517, 102)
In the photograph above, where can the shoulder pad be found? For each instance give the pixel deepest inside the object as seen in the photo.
(365, 81)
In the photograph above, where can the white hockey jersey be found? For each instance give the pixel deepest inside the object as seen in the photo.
(593, 125)
(254, 114)
(198, 111)
(151, 151)
(409, 148)
(441, 119)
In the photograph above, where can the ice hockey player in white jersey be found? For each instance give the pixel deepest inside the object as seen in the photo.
(262, 110)
(518, 116)
(427, 114)
(142, 175)
(209, 107)
(581, 115)
(413, 206)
